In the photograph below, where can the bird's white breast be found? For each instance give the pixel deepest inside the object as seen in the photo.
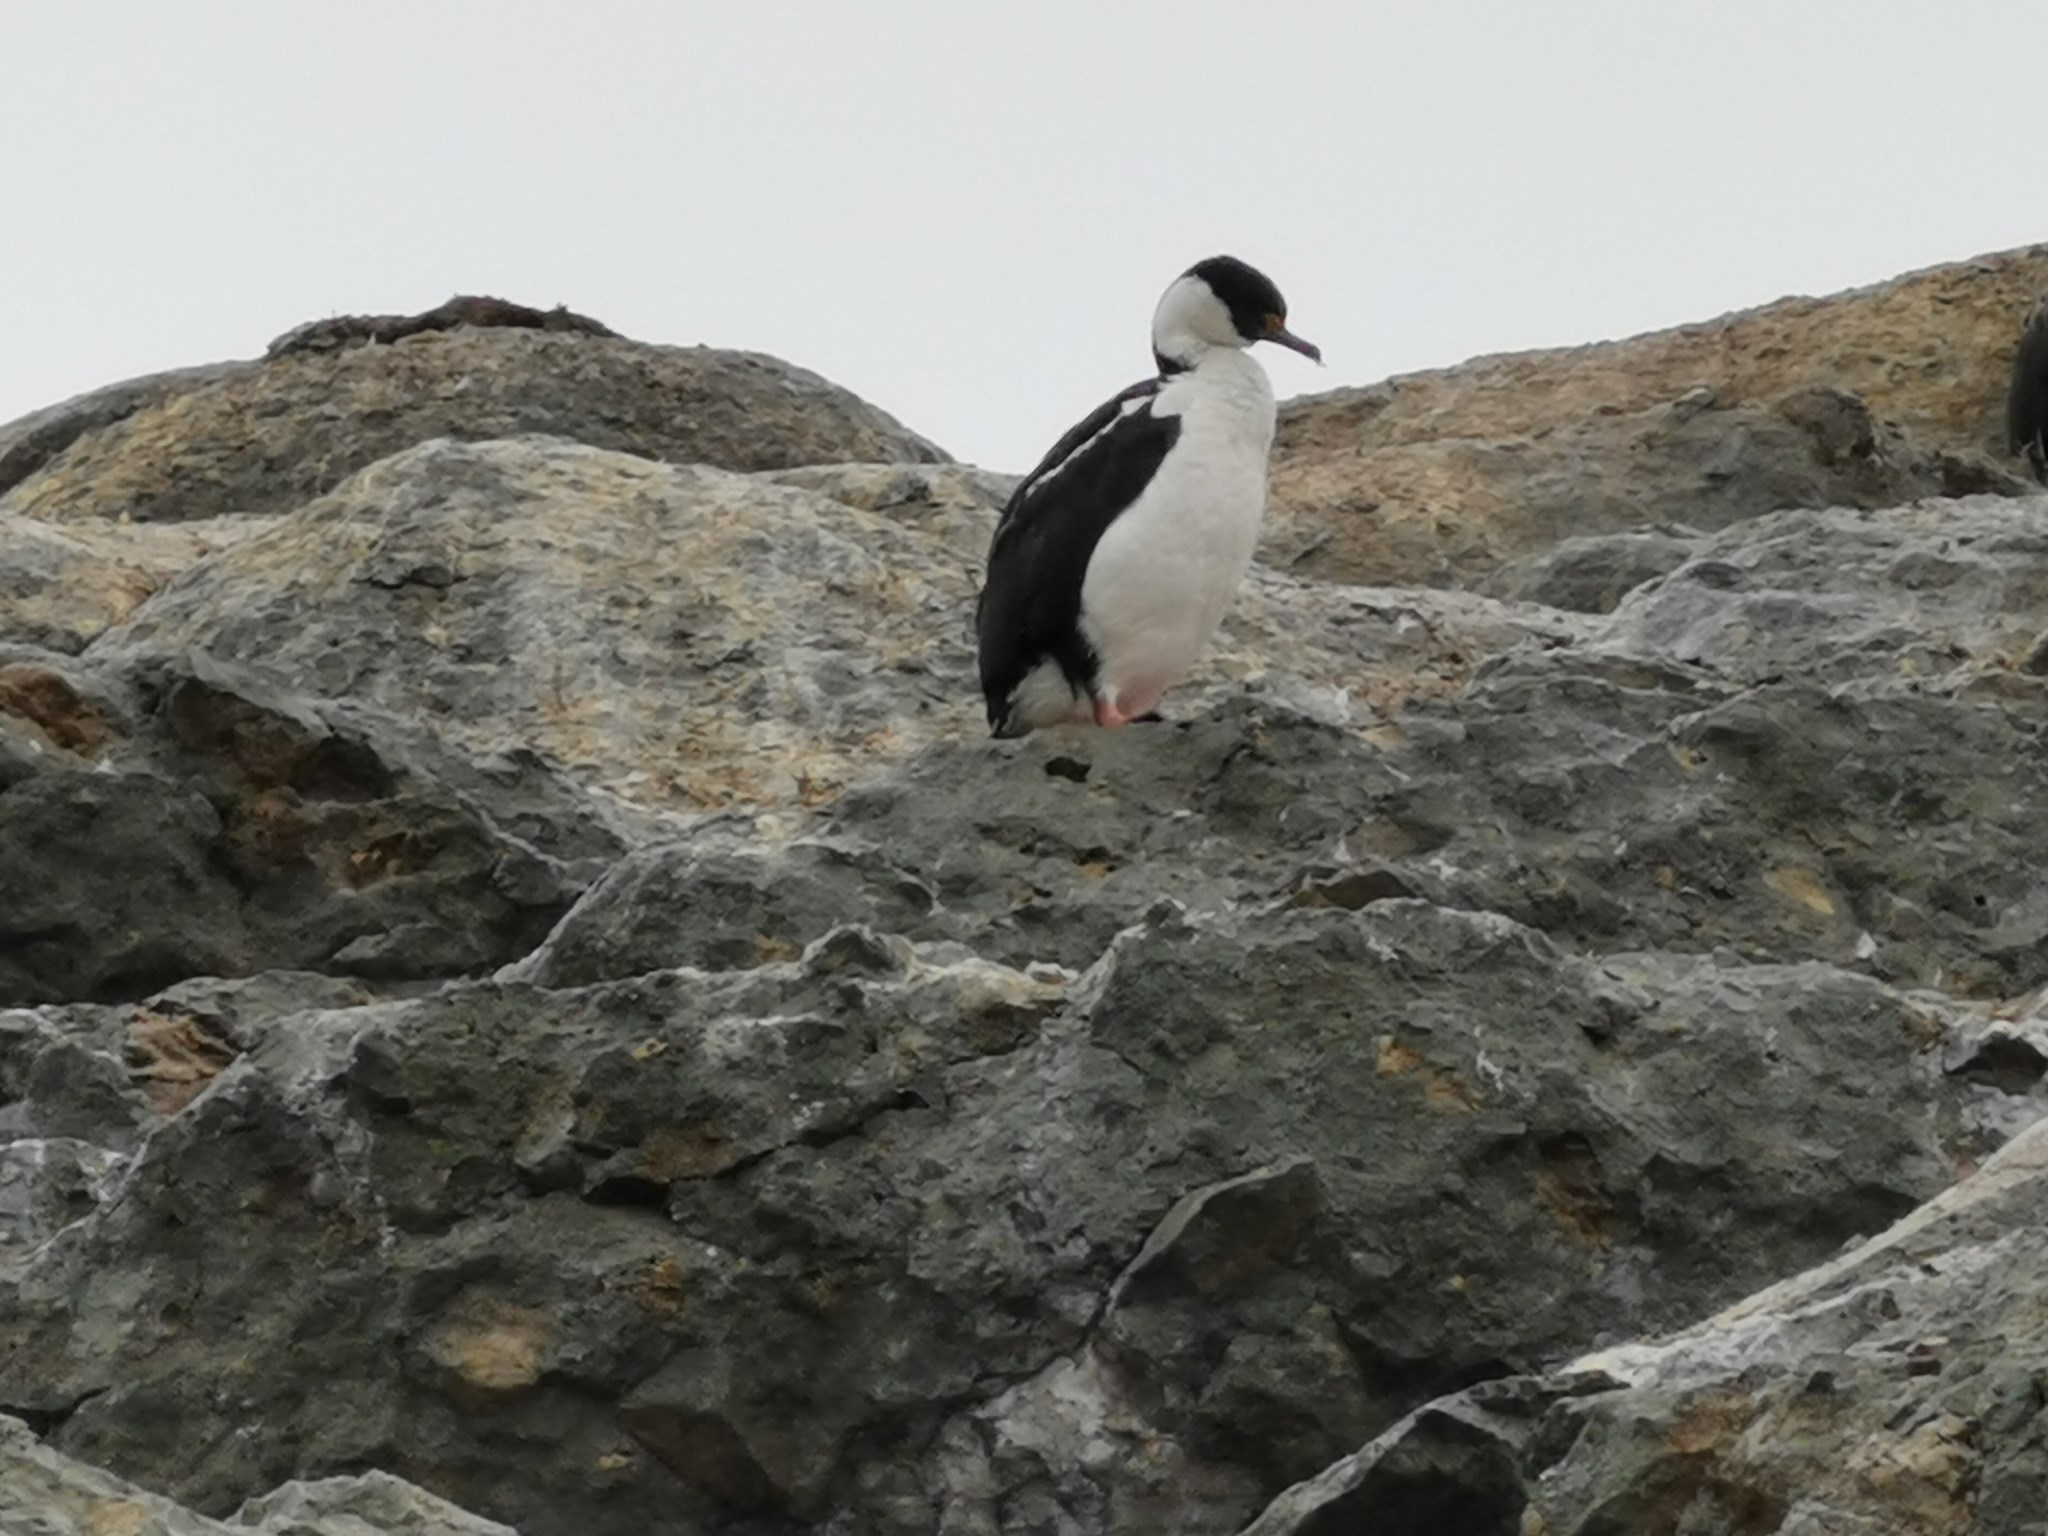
(1165, 571)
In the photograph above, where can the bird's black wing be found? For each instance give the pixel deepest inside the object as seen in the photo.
(2026, 403)
(1030, 602)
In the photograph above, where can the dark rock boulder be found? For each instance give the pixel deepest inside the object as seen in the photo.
(1896, 1388)
(1378, 1154)
(462, 1244)
(196, 820)
(109, 890)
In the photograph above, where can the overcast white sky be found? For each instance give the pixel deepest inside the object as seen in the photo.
(965, 210)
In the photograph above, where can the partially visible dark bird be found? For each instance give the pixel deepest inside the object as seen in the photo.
(2026, 402)
(1116, 557)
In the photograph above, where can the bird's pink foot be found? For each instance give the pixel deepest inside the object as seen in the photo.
(1124, 704)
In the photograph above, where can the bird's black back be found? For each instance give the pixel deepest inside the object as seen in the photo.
(1030, 604)
(2026, 402)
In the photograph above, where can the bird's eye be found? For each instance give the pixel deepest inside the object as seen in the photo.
(1275, 323)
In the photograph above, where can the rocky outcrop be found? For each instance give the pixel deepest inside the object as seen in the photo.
(464, 311)
(261, 438)
(180, 817)
(62, 587)
(1592, 573)
(48, 1494)
(1866, 399)
(1896, 1388)
(683, 634)
(692, 637)
(33, 440)
(521, 971)
(881, 1170)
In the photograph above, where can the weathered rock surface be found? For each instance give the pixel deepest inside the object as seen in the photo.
(61, 588)
(182, 818)
(1896, 1389)
(464, 311)
(1869, 398)
(31, 441)
(266, 437)
(43, 1493)
(1593, 572)
(690, 637)
(680, 634)
(881, 1172)
(529, 978)
(1933, 595)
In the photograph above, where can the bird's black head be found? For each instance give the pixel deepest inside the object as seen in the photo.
(1256, 308)
(1246, 292)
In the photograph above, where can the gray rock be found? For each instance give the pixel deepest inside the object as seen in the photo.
(341, 1127)
(1624, 807)
(1453, 1465)
(45, 1185)
(1867, 398)
(371, 1504)
(1613, 802)
(268, 437)
(109, 889)
(1894, 1388)
(63, 1081)
(677, 634)
(723, 908)
(1592, 573)
(929, 495)
(60, 588)
(100, 1078)
(25, 752)
(235, 828)
(882, 1173)
(868, 1129)
(1696, 460)
(44, 1493)
(29, 442)
(1918, 593)
(1808, 741)
(754, 644)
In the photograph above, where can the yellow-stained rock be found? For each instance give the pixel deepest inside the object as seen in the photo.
(1440, 477)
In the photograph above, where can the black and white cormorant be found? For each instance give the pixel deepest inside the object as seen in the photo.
(1116, 557)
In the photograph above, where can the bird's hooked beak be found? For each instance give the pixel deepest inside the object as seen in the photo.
(1276, 330)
